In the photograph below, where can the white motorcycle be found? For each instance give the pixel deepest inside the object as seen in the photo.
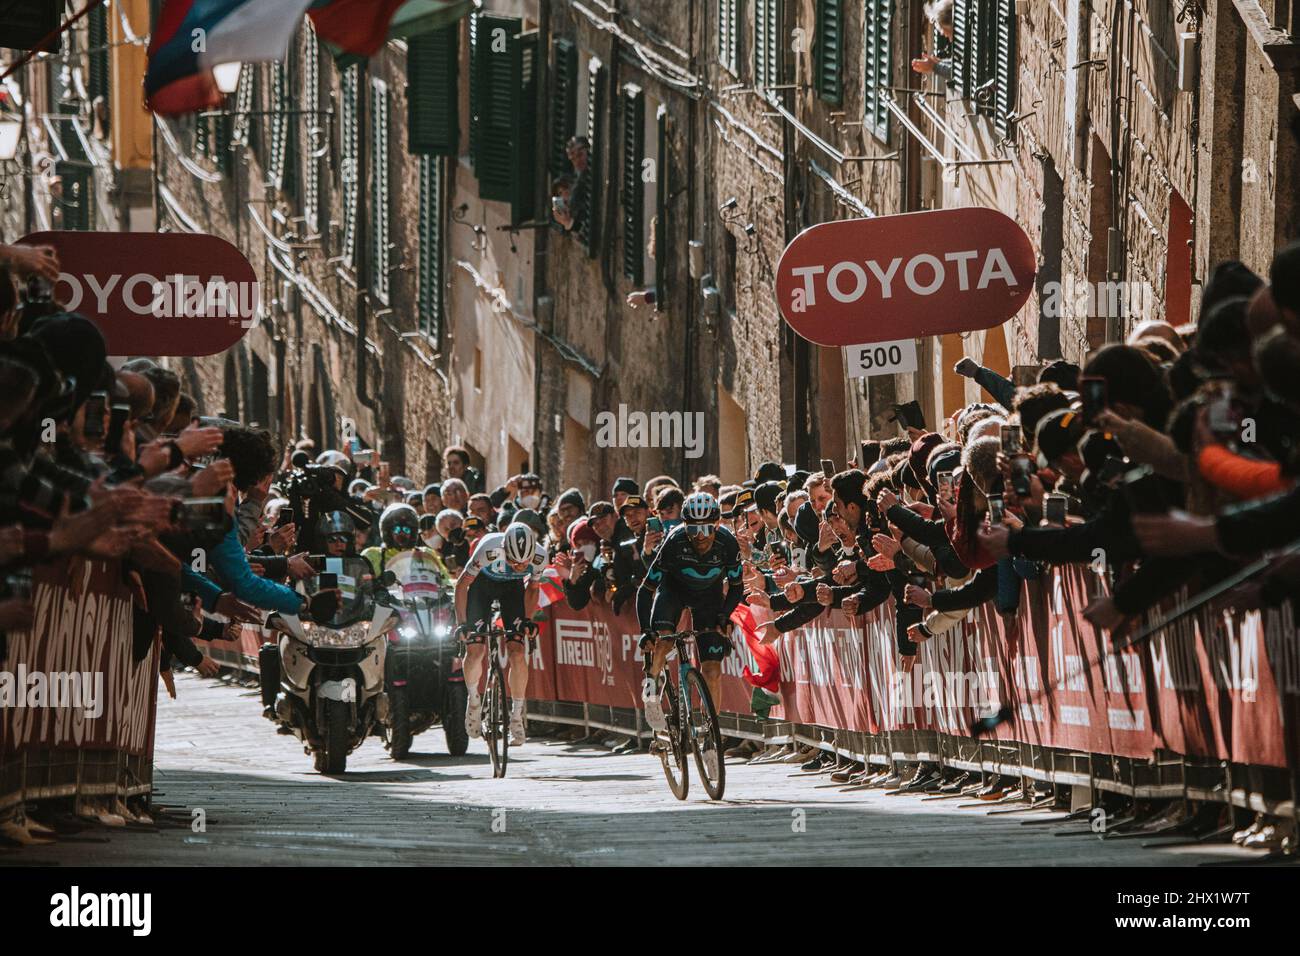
(330, 673)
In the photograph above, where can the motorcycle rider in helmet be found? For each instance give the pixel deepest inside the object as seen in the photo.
(399, 531)
(336, 531)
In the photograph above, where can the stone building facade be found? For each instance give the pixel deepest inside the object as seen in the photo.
(432, 299)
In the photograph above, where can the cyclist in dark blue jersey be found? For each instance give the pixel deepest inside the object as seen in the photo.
(697, 567)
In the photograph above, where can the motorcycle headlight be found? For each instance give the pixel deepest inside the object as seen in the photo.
(354, 635)
(409, 633)
(441, 631)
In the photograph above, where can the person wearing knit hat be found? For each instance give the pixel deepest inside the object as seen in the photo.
(622, 488)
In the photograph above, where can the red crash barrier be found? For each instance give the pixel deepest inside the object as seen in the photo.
(1223, 686)
(76, 709)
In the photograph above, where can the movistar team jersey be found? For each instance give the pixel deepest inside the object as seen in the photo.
(680, 564)
(489, 557)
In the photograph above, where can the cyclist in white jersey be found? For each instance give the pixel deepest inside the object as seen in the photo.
(505, 567)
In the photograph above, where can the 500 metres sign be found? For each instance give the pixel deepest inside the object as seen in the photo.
(861, 281)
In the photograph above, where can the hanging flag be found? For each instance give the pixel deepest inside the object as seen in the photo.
(193, 36)
(354, 26)
(550, 590)
(354, 38)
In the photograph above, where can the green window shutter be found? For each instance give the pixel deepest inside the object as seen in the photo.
(497, 72)
(828, 55)
(379, 191)
(564, 102)
(878, 59)
(523, 190)
(97, 77)
(728, 34)
(433, 92)
(662, 233)
(767, 46)
(1006, 67)
(633, 186)
(243, 106)
(222, 142)
(961, 47)
(473, 88)
(986, 78)
(201, 144)
(350, 135)
(311, 103)
(596, 137)
(431, 289)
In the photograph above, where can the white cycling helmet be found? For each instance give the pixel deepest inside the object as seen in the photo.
(519, 542)
(701, 508)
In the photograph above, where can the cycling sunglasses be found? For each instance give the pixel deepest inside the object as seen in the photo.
(403, 529)
(700, 530)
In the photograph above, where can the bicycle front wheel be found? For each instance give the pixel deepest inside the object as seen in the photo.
(671, 744)
(705, 735)
(496, 719)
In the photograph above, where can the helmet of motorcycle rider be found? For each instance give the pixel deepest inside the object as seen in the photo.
(399, 527)
(358, 487)
(401, 481)
(335, 522)
(519, 543)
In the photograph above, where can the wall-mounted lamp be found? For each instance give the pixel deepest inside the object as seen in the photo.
(226, 76)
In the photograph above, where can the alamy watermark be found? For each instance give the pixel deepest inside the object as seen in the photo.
(625, 429)
(66, 690)
(1080, 298)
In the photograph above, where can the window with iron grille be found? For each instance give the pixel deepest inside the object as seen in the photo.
(877, 72)
(431, 290)
(729, 35)
(97, 75)
(379, 191)
(633, 185)
(828, 52)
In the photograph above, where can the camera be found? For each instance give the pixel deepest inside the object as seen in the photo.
(18, 587)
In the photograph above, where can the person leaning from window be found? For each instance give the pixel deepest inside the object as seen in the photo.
(571, 211)
(940, 14)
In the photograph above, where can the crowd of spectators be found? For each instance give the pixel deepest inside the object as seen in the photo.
(1173, 456)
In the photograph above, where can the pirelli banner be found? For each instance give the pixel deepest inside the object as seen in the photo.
(77, 702)
(1218, 685)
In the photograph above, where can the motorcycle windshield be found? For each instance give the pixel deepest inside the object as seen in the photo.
(420, 584)
(354, 579)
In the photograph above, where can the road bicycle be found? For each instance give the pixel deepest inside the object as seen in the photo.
(496, 695)
(692, 724)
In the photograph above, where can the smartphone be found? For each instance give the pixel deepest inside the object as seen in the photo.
(1055, 508)
(19, 586)
(1022, 469)
(116, 428)
(1093, 392)
(945, 484)
(284, 517)
(996, 509)
(327, 581)
(1219, 416)
(870, 454)
(828, 467)
(96, 405)
(1012, 440)
(655, 524)
(909, 415)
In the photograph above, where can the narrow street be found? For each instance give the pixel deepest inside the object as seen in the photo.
(560, 804)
